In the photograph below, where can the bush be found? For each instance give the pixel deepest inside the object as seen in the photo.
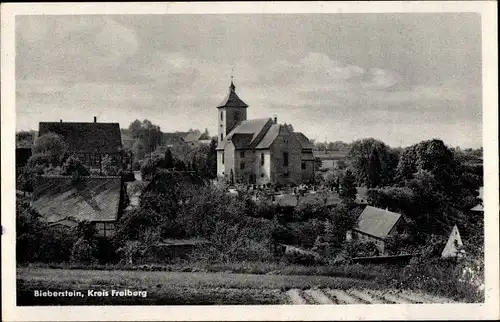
(84, 252)
(128, 176)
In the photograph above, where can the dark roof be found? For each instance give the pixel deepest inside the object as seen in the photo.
(192, 136)
(86, 137)
(241, 140)
(377, 222)
(173, 138)
(91, 198)
(303, 140)
(257, 128)
(232, 100)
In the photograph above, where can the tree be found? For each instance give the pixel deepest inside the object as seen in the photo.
(52, 145)
(373, 162)
(348, 189)
(147, 137)
(169, 160)
(211, 160)
(73, 166)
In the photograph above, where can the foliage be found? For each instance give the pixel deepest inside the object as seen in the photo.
(37, 241)
(147, 137)
(111, 167)
(52, 145)
(348, 189)
(211, 160)
(373, 162)
(169, 159)
(84, 251)
(73, 165)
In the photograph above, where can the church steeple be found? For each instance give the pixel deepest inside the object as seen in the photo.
(232, 87)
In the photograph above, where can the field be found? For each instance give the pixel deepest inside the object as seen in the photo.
(191, 288)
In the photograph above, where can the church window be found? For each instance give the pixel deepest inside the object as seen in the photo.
(221, 137)
(303, 165)
(222, 157)
(242, 154)
(285, 159)
(221, 116)
(242, 165)
(262, 159)
(286, 174)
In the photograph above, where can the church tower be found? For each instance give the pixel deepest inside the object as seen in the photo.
(230, 112)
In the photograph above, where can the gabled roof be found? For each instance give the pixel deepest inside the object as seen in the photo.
(86, 137)
(241, 140)
(303, 141)
(91, 198)
(232, 100)
(257, 128)
(192, 136)
(377, 222)
(269, 138)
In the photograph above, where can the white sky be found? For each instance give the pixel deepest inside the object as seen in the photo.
(401, 78)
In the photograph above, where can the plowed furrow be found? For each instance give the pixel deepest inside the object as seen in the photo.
(342, 297)
(318, 296)
(366, 297)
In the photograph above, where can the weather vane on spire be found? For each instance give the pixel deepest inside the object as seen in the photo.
(232, 87)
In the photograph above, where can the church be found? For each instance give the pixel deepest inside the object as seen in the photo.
(259, 151)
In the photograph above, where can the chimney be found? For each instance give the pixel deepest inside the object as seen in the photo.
(60, 121)
(275, 119)
(95, 119)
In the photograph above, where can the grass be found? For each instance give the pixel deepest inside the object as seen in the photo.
(169, 288)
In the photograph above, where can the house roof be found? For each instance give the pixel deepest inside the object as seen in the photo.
(303, 140)
(478, 207)
(91, 198)
(192, 136)
(232, 100)
(241, 140)
(377, 222)
(172, 138)
(86, 137)
(256, 128)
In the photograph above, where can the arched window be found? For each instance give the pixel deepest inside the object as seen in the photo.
(221, 137)
(221, 116)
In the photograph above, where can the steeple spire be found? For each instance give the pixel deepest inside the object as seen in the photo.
(232, 87)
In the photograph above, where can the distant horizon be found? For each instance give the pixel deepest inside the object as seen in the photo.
(315, 141)
(400, 78)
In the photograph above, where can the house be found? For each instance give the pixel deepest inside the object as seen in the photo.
(375, 225)
(479, 208)
(259, 151)
(63, 201)
(196, 138)
(451, 249)
(91, 142)
(330, 160)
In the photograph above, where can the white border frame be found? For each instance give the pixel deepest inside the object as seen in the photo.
(487, 310)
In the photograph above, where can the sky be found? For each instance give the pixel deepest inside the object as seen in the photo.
(400, 78)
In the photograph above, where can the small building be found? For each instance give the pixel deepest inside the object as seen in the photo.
(375, 225)
(63, 201)
(91, 142)
(451, 249)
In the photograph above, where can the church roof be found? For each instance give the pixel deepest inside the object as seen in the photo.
(232, 99)
(256, 128)
(303, 140)
(269, 138)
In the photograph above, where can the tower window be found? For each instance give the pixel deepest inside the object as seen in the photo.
(286, 174)
(221, 137)
(262, 159)
(222, 157)
(285, 159)
(221, 116)
(242, 154)
(242, 165)
(303, 165)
